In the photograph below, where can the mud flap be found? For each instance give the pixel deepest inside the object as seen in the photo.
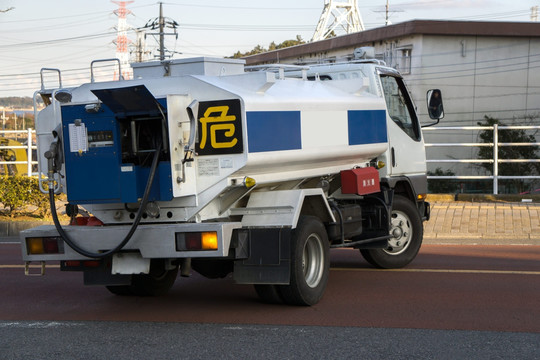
(268, 256)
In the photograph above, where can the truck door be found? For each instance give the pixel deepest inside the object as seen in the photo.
(406, 153)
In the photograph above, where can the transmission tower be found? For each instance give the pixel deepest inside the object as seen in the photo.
(342, 15)
(122, 41)
(534, 13)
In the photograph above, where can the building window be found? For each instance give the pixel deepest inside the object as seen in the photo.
(404, 60)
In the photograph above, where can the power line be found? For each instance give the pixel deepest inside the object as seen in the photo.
(55, 41)
(318, 8)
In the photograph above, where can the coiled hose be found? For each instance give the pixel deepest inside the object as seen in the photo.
(134, 226)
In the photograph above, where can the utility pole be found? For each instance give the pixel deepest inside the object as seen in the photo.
(387, 8)
(387, 13)
(140, 46)
(534, 13)
(160, 24)
(161, 34)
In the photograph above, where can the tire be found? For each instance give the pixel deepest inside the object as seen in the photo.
(212, 269)
(268, 293)
(407, 231)
(310, 263)
(120, 290)
(158, 282)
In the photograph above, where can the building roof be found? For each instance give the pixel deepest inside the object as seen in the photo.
(414, 27)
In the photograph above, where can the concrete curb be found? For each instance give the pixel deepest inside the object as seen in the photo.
(13, 228)
(479, 239)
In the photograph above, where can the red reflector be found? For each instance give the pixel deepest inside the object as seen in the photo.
(72, 263)
(50, 246)
(94, 221)
(91, 263)
(81, 221)
(193, 241)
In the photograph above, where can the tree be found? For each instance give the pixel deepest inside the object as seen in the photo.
(17, 102)
(289, 43)
(510, 152)
(259, 49)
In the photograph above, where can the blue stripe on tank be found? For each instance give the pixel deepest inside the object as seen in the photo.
(367, 127)
(273, 131)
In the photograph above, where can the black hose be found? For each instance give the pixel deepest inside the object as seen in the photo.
(134, 226)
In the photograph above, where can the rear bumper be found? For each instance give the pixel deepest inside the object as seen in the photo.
(152, 241)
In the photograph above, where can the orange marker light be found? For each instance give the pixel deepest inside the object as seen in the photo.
(209, 241)
(34, 246)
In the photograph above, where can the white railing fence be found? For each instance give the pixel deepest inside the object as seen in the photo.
(26, 137)
(496, 145)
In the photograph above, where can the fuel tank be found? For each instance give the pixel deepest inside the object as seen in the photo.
(217, 125)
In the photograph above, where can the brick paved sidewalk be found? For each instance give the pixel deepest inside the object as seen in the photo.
(496, 223)
(459, 222)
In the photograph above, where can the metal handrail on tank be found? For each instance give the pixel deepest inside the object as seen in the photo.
(120, 76)
(279, 68)
(43, 88)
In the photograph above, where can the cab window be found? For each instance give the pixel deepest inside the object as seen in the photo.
(399, 105)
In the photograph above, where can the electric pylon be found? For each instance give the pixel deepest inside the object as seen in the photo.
(342, 15)
(122, 40)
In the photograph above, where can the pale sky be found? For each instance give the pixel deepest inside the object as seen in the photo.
(60, 34)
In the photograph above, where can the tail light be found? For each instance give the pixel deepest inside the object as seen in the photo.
(197, 241)
(44, 245)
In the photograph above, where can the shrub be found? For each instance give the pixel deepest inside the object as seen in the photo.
(442, 186)
(18, 192)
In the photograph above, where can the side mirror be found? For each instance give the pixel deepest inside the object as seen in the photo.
(435, 104)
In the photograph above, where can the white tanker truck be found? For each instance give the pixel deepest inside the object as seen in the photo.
(205, 165)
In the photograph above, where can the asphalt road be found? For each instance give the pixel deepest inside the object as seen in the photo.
(452, 302)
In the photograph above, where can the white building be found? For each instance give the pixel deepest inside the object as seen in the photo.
(482, 68)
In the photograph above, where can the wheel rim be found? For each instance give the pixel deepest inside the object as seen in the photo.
(401, 232)
(313, 260)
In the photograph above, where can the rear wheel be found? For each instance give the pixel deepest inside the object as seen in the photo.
(310, 263)
(154, 284)
(121, 290)
(407, 233)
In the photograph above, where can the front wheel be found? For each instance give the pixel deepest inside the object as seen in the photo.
(310, 263)
(407, 233)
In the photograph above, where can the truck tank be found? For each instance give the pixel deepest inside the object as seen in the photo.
(218, 126)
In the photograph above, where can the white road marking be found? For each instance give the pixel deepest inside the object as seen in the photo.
(451, 271)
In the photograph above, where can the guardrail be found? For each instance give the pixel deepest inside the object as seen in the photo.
(28, 135)
(22, 135)
(495, 145)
